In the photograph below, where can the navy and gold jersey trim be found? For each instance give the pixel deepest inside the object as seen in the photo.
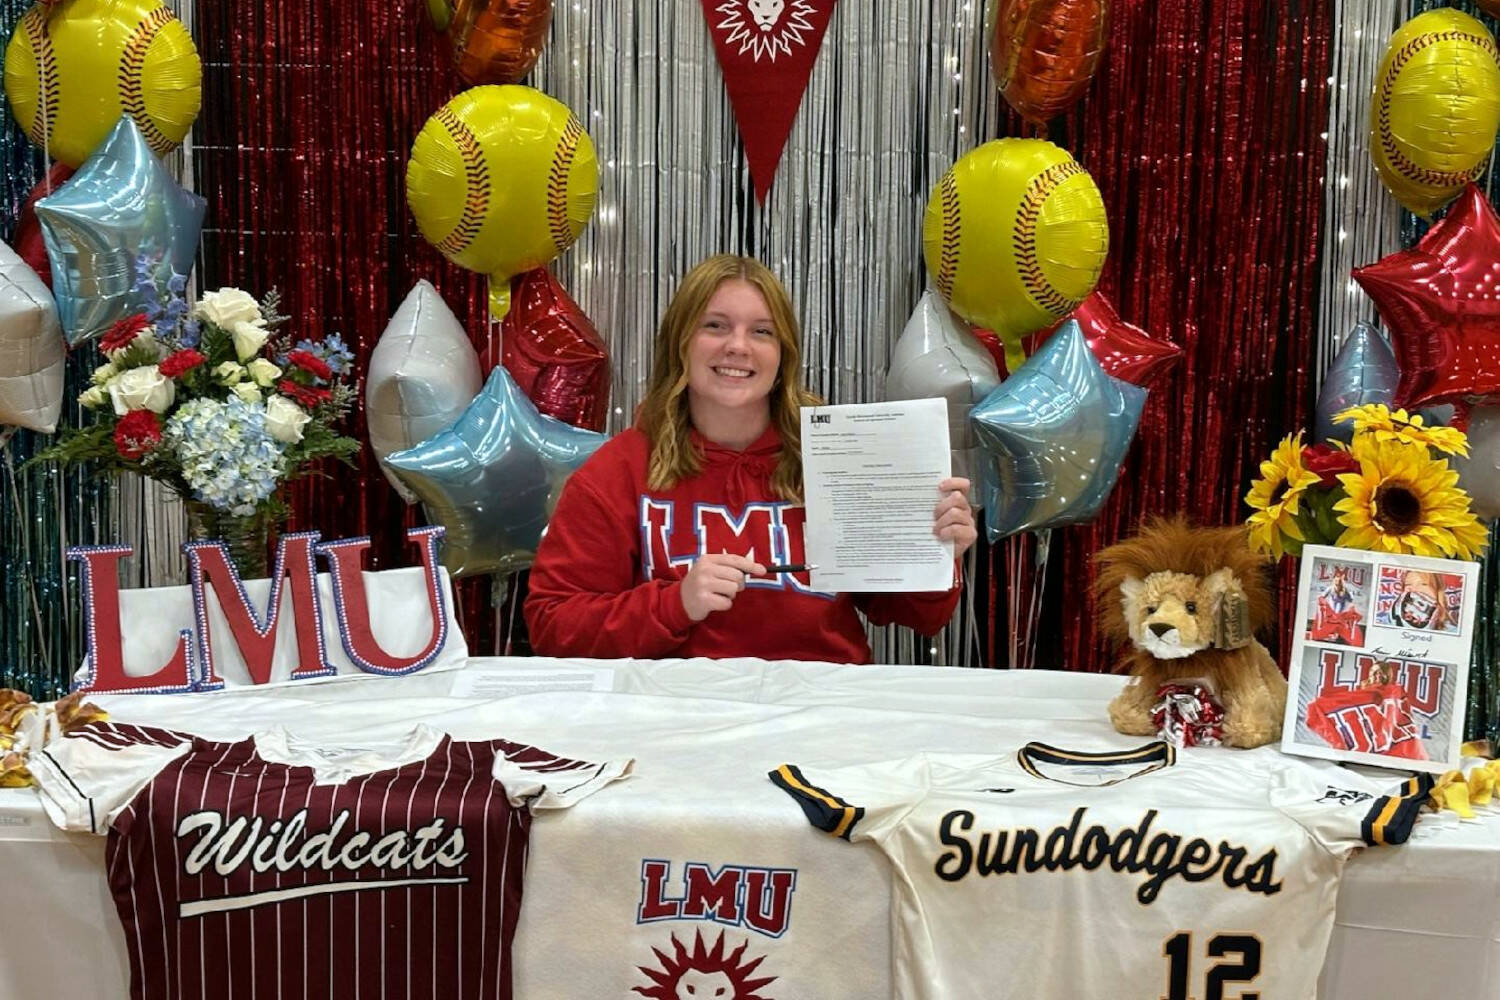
(1391, 817)
(1151, 757)
(824, 810)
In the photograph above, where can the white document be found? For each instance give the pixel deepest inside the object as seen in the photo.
(871, 473)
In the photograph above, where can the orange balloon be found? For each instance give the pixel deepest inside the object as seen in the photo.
(498, 41)
(1044, 52)
(1490, 6)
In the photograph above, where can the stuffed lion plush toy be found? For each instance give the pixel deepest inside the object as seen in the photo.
(1185, 601)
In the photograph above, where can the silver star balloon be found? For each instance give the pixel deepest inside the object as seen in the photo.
(493, 478)
(423, 373)
(937, 356)
(122, 205)
(1363, 371)
(1052, 437)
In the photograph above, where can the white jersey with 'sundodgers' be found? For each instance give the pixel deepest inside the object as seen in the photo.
(1133, 875)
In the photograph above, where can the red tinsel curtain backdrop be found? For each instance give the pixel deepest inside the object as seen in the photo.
(308, 117)
(1204, 129)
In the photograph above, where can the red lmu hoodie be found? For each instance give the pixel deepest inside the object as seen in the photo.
(607, 581)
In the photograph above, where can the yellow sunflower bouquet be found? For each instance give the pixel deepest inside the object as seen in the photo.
(1390, 490)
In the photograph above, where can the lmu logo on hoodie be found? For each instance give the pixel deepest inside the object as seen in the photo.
(673, 535)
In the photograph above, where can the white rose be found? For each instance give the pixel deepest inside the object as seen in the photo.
(93, 397)
(228, 306)
(142, 388)
(285, 419)
(264, 373)
(248, 391)
(248, 337)
(229, 373)
(103, 374)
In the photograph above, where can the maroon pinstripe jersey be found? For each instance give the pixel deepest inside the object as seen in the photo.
(269, 868)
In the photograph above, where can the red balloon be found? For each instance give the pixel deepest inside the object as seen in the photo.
(1124, 350)
(1441, 302)
(28, 242)
(1044, 52)
(553, 352)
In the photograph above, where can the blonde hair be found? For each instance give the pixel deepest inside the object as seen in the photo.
(664, 416)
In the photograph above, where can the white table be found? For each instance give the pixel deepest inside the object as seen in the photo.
(1417, 921)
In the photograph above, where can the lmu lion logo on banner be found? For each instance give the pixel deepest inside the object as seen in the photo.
(766, 49)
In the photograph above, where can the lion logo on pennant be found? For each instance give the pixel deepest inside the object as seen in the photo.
(766, 28)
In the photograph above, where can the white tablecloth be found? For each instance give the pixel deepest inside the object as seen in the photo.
(1417, 921)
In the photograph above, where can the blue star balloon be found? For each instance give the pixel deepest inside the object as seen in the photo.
(1052, 437)
(122, 205)
(1363, 371)
(493, 478)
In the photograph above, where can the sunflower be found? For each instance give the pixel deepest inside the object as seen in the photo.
(1404, 500)
(1408, 428)
(1275, 496)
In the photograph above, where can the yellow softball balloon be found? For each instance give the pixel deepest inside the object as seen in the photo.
(1435, 109)
(502, 180)
(72, 69)
(1015, 236)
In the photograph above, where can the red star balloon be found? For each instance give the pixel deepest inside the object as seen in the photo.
(28, 239)
(553, 352)
(1441, 302)
(1124, 350)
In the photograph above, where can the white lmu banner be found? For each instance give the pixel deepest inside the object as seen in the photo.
(220, 631)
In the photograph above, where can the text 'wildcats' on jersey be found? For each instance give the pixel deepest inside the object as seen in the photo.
(270, 868)
(1138, 873)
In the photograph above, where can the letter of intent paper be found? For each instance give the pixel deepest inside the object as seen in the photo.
(871, 474)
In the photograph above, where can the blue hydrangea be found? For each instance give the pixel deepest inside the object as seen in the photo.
(228, 457)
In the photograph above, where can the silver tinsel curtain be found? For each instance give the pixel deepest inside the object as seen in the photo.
(897, 93)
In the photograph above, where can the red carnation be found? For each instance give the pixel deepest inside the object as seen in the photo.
(137, 433)
(309, 396)
(123, 332)
(1327, 462)
(181, 362)
(310, 363)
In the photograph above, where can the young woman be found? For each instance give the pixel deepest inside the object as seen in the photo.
(660, 542)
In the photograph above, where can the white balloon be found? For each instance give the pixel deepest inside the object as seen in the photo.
(31, 348)
(1479, 474)
(424, 372)
(937, 356)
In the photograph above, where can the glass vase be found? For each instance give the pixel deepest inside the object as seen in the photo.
(248, 537)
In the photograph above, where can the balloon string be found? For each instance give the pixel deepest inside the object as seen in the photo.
(1038, 582)
(15, 492)
(1012, 600)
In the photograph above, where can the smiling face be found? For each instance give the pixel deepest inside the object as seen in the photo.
(732, 359)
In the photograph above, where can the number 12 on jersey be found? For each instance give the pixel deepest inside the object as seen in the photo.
(1178, 950)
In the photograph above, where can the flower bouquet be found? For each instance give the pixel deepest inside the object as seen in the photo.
(1390, 490)
(217, 403)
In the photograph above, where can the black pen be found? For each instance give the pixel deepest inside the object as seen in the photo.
(788, 568)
